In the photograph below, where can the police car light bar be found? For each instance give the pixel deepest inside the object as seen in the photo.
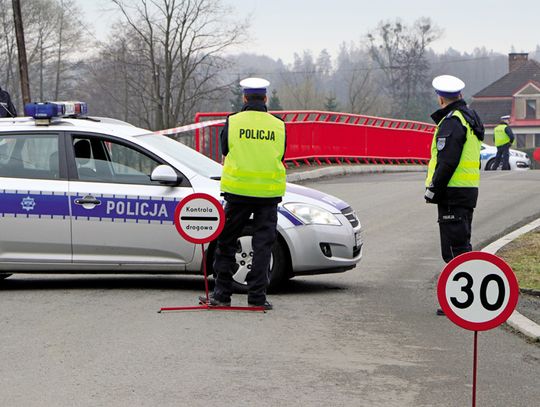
(44, 112)
(74, 109)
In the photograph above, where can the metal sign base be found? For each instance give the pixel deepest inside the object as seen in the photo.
(212, 308)
(207, 306)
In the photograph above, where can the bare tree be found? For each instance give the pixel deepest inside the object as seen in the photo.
(399, 51)
(302, 85)
(355, 77)
(181, 43)
(40, 20)
(8, 78)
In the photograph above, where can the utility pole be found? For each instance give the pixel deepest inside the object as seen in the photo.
(21, 50)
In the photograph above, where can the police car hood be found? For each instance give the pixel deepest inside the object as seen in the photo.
(297, 193)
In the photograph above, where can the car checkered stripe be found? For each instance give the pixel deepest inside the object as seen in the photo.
(112, 208)
(33, 204)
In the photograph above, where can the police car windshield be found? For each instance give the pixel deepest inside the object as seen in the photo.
(198, 162)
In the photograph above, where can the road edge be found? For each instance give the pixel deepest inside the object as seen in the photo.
(517, 321)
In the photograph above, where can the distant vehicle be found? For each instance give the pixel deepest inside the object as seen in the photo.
(96, 195)
(518, 159)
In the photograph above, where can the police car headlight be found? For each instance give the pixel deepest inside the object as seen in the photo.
(312, 215)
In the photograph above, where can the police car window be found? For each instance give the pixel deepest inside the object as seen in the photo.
(198, 162)
(32, 156)
(105, 160)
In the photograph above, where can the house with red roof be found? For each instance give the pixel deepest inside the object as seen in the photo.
(516, 94)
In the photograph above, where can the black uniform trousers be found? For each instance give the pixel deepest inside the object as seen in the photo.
(264, 223)
(455, 230)
(503, 155)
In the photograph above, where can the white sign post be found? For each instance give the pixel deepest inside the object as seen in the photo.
(477, 291)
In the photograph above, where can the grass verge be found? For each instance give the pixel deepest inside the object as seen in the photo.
(523, 255)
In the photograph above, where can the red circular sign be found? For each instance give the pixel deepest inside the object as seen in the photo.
(536, 154)
(477, 291)
(199, 218)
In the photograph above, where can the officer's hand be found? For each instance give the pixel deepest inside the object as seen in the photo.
(429, 195)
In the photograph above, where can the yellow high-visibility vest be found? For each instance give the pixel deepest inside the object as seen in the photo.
(500, 136)
(253, 165)
(467, 173)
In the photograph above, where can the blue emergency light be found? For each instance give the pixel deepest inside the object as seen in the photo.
(44, 110)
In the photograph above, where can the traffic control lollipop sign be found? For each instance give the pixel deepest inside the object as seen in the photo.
(199, 218)
(477, 291)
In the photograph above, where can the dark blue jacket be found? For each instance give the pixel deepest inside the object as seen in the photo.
(6, 106)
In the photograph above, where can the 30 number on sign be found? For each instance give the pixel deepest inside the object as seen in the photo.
(485, 291)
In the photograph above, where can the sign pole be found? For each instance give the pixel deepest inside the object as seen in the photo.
(205, 275)
(475, 368)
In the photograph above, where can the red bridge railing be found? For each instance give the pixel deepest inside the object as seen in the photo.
(315, 137)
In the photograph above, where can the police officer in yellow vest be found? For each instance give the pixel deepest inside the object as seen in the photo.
(504, 137)
(454, 168)
(253, 182)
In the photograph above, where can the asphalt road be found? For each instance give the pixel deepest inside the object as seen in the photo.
(368, 337)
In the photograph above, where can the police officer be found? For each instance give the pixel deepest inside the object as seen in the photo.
(454, 168)
(7, 109)
(253, 182)
(504, 137)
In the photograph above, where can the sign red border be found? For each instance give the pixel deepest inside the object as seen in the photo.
(213, 201)
(503, 315)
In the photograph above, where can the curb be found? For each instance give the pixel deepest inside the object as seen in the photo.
(346, 169)
(517, 321)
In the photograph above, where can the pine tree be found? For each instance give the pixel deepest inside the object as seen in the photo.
(331, 104)
(237, 101)
(274, 103)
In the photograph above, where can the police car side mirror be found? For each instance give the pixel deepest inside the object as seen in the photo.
(165, 175)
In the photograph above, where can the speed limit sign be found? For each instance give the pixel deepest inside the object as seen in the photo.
(477, 291)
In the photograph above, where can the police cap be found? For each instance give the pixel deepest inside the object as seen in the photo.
(448, 86)
(505, 117)
(254, 85)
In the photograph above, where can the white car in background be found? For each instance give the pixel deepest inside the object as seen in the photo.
(518, 159)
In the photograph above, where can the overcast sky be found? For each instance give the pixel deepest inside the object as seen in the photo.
(279, 28)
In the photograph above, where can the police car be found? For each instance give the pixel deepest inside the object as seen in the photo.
(85, 194)
(518, 159)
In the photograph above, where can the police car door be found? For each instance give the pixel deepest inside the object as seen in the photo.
(34, 206)
(119, 216)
